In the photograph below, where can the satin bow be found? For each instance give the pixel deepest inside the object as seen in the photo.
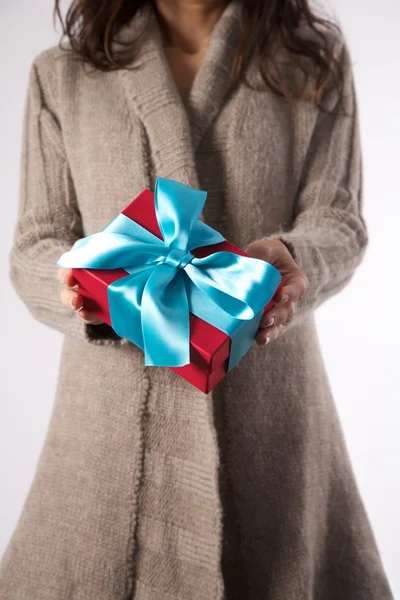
(165, 281)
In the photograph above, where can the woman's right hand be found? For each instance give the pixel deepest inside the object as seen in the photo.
(71, 298)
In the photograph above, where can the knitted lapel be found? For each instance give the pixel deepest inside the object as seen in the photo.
(175, 131)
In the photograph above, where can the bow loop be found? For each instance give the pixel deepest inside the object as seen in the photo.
(178, 207)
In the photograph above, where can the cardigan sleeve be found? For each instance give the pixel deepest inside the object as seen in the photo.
(329, 237)
(49, 221)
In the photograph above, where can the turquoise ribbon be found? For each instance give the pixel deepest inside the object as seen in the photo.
(165, 281)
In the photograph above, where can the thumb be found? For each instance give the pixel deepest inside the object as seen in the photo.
(274, 252)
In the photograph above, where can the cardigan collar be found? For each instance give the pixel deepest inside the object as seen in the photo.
(175, 130)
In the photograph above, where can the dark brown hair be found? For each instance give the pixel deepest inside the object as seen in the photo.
(91, 26)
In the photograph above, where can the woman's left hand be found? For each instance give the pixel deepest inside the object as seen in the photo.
(294, 287)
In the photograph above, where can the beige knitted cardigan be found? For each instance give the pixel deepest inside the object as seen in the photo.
(146, 488)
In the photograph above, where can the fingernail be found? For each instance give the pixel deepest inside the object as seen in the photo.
(266, 340)
(285, 298)
(271, 321)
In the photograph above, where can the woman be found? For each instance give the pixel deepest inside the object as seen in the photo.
(145, 487)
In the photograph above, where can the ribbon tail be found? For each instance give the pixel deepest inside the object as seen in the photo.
(124, 301)
(165, 318)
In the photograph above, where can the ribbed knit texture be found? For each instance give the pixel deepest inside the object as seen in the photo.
(146, 488)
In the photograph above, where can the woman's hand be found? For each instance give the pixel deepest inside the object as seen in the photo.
(294, 287)
(71, 298)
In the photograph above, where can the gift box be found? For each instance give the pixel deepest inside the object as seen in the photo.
(198, 317)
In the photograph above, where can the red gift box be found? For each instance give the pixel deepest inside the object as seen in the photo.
(209, 346)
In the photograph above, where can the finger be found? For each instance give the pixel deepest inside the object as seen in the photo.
(65, 277)
(71, 299)
(269, 319)
(280, 314)
(88, 318)
(294, 288)
(61, 273)
(269, 334)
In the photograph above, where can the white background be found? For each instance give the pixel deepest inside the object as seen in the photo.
(359, 329)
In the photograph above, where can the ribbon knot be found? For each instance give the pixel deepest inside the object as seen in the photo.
(179, 258)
